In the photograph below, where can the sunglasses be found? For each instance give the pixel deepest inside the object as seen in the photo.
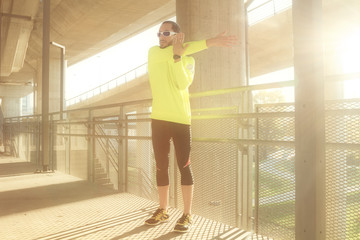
(166, 33)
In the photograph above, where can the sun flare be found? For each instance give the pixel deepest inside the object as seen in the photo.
(350, 59)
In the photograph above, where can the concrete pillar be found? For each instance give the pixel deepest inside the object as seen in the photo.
(45, 85)
(37, 87)
(1, 127)
(53, 86)
(215, 68)
(309, 120)
(219, 68)
(57, 76)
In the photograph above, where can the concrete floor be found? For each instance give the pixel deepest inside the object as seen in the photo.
(59, 206)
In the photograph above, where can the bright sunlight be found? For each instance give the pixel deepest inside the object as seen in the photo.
(350, 59)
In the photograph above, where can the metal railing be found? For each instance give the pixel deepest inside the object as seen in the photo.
(243, 157)
(108, 147)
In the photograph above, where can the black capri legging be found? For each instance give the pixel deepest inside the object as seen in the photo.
(162, 133)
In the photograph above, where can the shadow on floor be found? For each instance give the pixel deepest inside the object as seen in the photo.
(103, 225)
(67, 207)
(28, 199)
(21, 189)
(131, 226)
(16, 169)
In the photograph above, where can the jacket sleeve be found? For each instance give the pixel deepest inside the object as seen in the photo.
(183, 72)
(195, 46)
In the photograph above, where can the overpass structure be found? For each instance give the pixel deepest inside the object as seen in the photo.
(287, 170)
(86, 29)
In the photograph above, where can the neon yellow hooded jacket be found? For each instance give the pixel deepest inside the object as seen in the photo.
(170, 81)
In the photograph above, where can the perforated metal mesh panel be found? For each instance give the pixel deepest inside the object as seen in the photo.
(34, 143)
(141, 175)
(343, 170)
(78, 151)
(215, 167)
(59, 147)
(276, 192)
(276, 174)
(141, 169)
(276, 128)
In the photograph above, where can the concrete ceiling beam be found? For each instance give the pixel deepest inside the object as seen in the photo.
(16, 27)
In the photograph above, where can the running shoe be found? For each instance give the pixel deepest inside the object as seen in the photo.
(183, 224)
(159, 216)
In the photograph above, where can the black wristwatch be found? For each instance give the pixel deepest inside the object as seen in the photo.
(176, 57)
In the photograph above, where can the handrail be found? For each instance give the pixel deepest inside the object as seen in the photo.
(111, 158)
(112, 148)
(242, 89)
(329, 78)
(195, 95)
(107, 86)
(111, 145)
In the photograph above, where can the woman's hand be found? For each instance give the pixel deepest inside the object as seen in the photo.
(222, 40)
